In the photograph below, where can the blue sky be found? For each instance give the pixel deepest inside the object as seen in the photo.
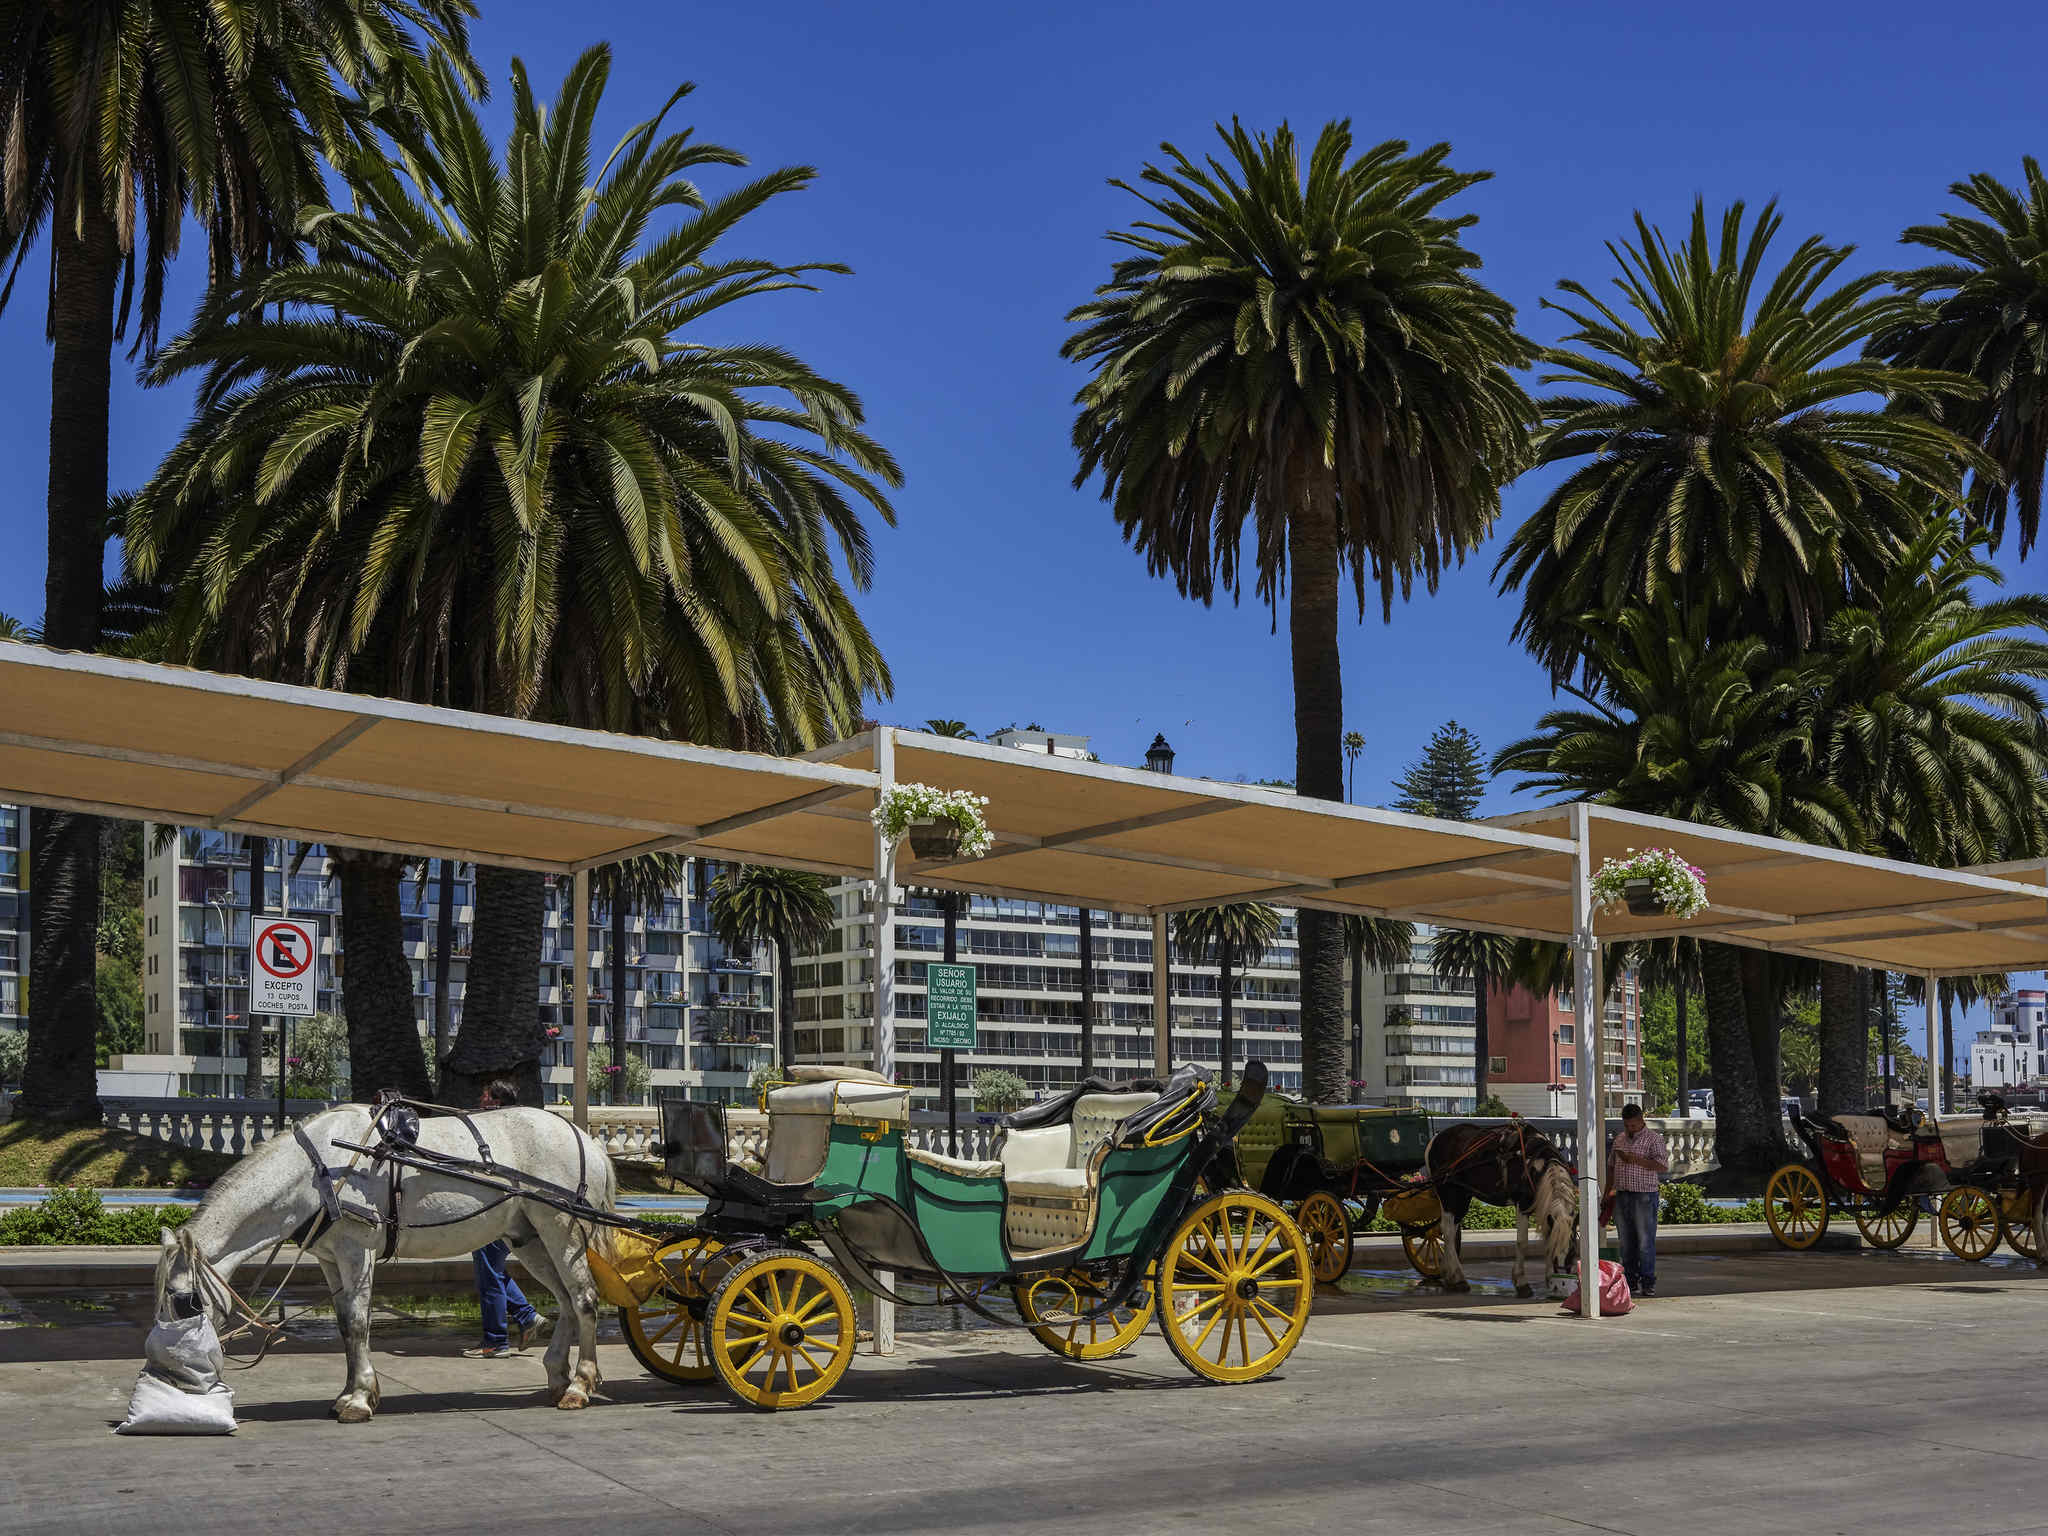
(963, 154)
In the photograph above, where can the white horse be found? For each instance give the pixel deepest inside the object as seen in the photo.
(274, 1192)
(1469, 1162)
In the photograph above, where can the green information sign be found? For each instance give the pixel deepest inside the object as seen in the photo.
(949, 1007)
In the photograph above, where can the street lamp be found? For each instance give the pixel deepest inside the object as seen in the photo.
(1159, 756)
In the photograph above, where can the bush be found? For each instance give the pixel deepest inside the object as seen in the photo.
(1492, 1107)
(78, 1216)
(997, 1091)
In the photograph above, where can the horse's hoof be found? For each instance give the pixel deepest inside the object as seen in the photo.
(575, 1397)
(350, 1411)
(1525, 1291)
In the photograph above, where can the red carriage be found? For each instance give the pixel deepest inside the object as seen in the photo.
(1978, 1173)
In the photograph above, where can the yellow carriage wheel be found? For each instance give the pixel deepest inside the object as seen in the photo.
(1887, 1229)
(2020, 1230)
(1327, 1226)
(1234, 1287)
(1796, 1206)
(666, 1331)
(1424, 1247)
(1969, 1223)
(781, 1329)
(1054, 1303)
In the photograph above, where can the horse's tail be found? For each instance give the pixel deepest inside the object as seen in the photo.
(604, 1189)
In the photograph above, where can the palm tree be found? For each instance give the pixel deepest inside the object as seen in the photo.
(573, 509)
(1314, 355)
(759, 903)
(1930, 721)
(1716, 733)
(121, 123)
(1383, 943)
(1354, 749)
(1981, 309)
(957, 729)
(1230, 937)
(1722, 449)
(1479, 959)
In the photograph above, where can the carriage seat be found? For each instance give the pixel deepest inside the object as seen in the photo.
(965, 1167)
(1871, 1135)
(800, 1119)
(1049, 1170)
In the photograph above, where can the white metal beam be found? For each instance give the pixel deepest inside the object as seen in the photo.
(1586, 1004)
(579, 1027)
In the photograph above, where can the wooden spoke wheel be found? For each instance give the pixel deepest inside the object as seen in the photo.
(2021, 1232)
(1887, 1229)
(666, 1331)
(1234, 1287)
(1969, 1223)
(1796, 1206)
(1327, 1226)
(1055, 1303)
(781, 1329)
(1424, 1247)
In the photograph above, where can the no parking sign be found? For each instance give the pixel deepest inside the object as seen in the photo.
(281, 974)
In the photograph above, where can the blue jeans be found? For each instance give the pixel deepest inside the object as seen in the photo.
(496, 1290)
(1635, 1231)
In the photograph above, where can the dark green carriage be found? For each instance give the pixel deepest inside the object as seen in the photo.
(1335, 1167)
(1088, 1215)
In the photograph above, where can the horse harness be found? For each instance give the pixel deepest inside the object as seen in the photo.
(393, 1145)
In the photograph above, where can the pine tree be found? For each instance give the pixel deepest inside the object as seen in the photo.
(1448, 779)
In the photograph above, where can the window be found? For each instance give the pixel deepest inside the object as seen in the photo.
(1496, 1065)
(1566, 1067)
(1564, 1034)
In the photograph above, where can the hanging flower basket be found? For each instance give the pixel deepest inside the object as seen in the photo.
(941, 823)
(1651, 882)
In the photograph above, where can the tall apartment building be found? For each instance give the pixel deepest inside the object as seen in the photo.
(1418, 1035)
(701, 1017)
(1535, 1055)
(1028, 960)
(13, 916)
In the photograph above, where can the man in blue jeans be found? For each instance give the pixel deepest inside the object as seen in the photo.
(1639, 1159)
(496, 1290)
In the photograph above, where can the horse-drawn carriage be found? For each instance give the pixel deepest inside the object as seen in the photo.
(1088, 1214)
(1984, 1176)
(1335, 1167)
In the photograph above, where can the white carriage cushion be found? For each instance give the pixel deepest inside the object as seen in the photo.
(1051, 1184)
(967, 1168)
(811, 1072)
(800, 1121)
(1026, 1152)
(1096, 1117)
(1871, 1135)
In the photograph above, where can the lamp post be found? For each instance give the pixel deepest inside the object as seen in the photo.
(1159, 759)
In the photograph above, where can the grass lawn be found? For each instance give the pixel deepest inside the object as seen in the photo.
(36, 1152)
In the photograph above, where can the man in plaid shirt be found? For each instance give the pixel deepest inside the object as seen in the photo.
(1636, 1161)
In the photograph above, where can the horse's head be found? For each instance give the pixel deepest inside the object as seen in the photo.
(185, 1284)
(1557, 1211)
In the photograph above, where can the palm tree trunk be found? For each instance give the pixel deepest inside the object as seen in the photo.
(252, 1022)
(1229, 1042)
(1738, 1104)
(1479, 1033)
(785, 1002)
(1760, 1006)
(1315, 574)
(444, 941)
(383, 1036)
(1841, 1041)
(1948, 1045)
(1357, 1016)
(501, 1030)
(59, 1080)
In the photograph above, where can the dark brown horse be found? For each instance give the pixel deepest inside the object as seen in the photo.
(1503, 1165)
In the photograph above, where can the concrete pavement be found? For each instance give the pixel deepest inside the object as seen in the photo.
(1760, 1393)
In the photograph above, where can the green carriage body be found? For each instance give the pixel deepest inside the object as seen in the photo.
(1289, 1149)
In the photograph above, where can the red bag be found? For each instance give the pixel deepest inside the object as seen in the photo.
(1615, 1299)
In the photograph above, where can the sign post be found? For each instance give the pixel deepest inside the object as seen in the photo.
(949, 1017)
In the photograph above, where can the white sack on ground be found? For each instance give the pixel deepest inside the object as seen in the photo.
(180, 1391)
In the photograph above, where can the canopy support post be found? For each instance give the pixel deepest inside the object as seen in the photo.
(1586, 1002)
(579, 1028)
(1162, 999)
(885, 992)
(1930, 986)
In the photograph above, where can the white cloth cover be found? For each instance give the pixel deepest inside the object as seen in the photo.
(180, 1391)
